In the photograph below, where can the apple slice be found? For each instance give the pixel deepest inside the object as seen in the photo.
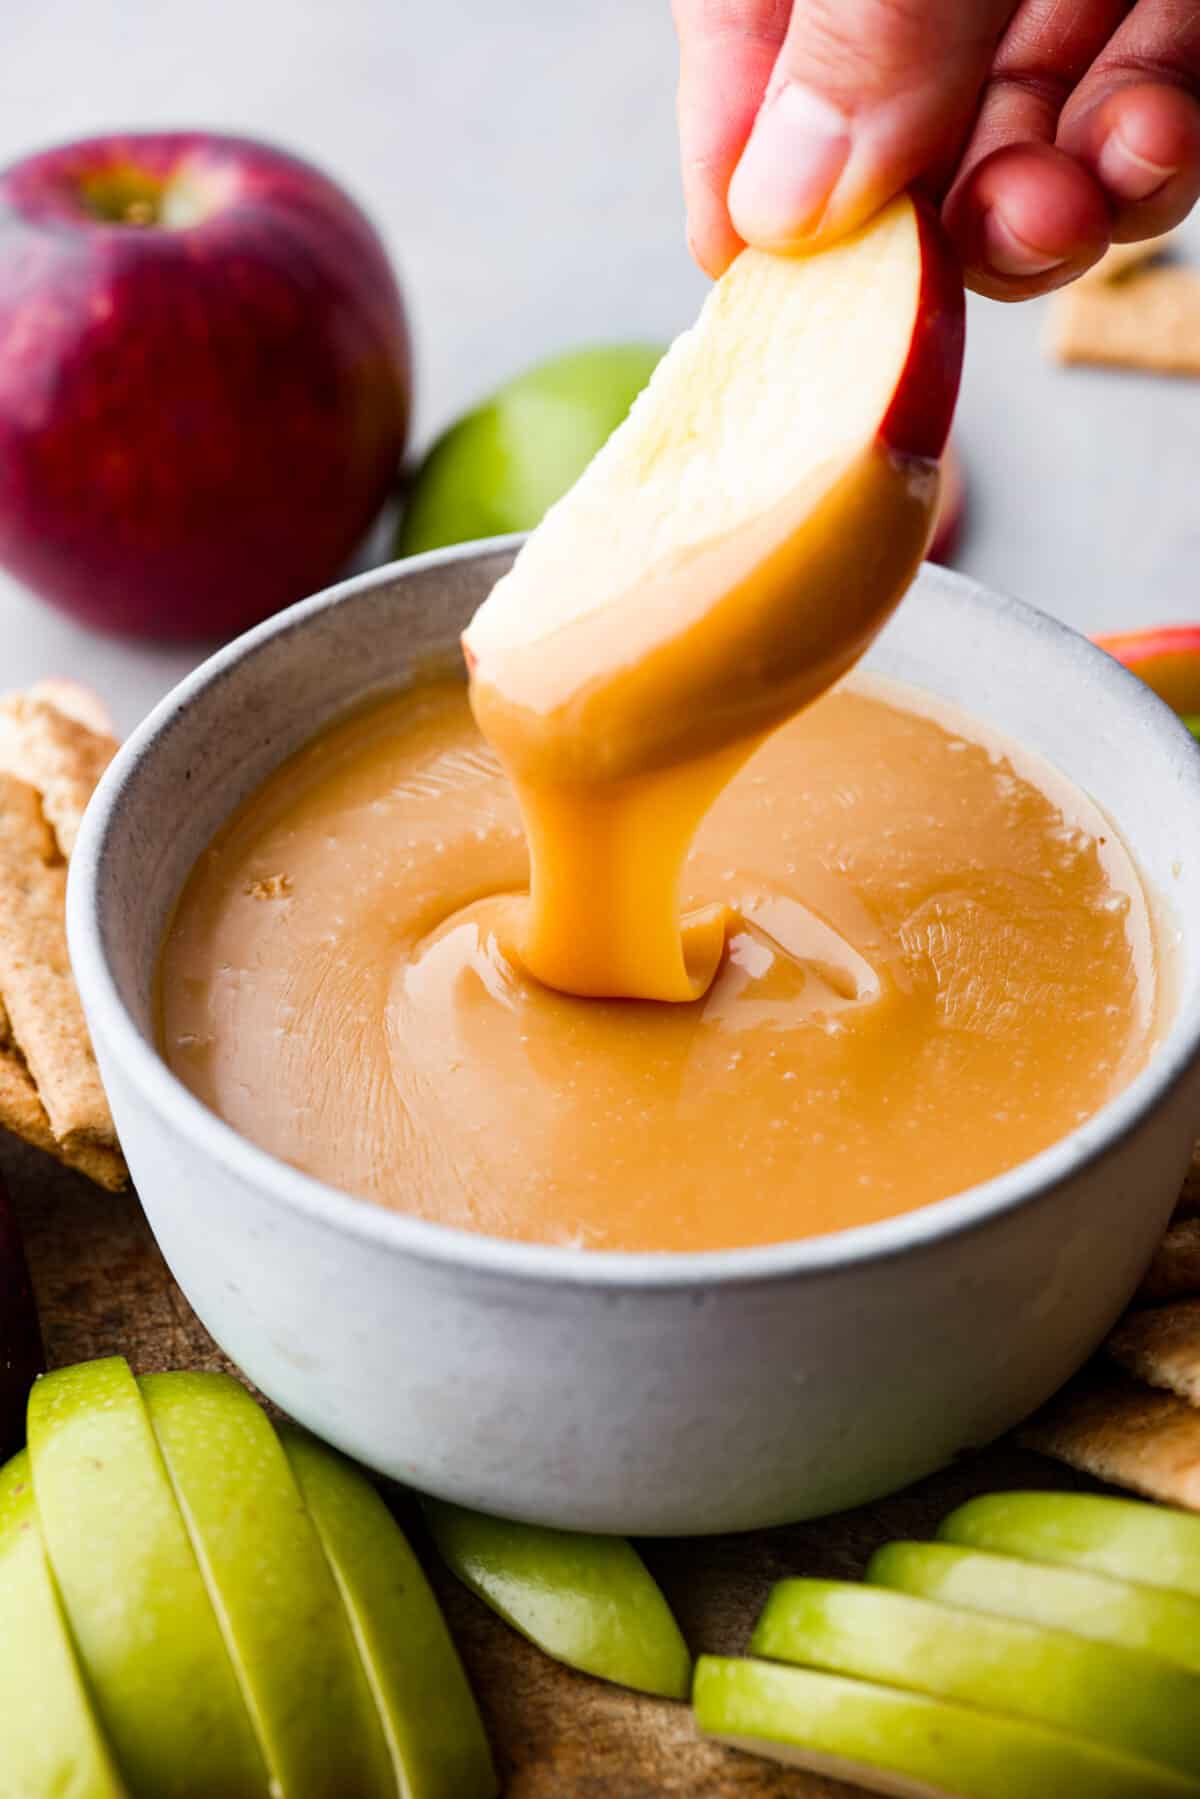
(1132, 1703)
(745, 532)
(1098, 1606)
(585, 1600)
(152, 1653)
(732, 549)
(906, 1744)
(952, 506)
(274, 1592)
(1153, 1544)
(50, 1741)
(434, 1732)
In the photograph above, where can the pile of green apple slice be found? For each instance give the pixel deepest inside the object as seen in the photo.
(197, 1603)
(1047, 1646)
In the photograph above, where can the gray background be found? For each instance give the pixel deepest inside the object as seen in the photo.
(519, 157)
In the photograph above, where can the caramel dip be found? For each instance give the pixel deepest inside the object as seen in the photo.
(936, 959)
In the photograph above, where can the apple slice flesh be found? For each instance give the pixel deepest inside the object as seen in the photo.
(1153, 1544)
(50, 1741)
(434, 1732)
(906, 1744)
(1098, 1606)
(152, 1652)
(588, 1601)
(274, 1592)
(1132, 1703)
(713, 569)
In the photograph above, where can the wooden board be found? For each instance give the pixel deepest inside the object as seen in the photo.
(103, 1289)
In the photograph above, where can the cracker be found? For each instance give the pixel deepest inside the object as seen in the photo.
(58, 754)
(1150, 319)
(1161, 1345)
(1119, 1431)
(1122, 259)
(23, 1115)
(39, 994)
(1175, 1271)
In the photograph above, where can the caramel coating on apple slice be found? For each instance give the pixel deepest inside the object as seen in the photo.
(35, 974)
(1118, 1430)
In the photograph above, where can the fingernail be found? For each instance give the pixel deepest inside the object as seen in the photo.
(1009, 254)
(1130, 176)
(797, 150)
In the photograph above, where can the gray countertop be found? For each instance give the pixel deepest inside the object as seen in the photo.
(519, 158)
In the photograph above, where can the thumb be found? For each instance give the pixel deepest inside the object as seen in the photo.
(865, 97)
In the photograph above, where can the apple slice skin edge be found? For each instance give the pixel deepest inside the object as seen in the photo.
(908, 1744)
(917, 421)
(585, 1600)
(50, 1740)
(429, 1715)
(149, 1643)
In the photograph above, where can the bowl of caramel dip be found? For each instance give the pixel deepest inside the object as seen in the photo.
(866, 1181)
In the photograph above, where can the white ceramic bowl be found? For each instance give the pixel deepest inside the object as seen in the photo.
(639, 1393)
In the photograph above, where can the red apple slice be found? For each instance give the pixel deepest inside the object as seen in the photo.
(744, 534)
(952, 502)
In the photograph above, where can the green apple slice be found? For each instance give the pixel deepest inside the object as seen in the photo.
(1091, 1605)
(1133, 1703)
(1126, 1537)
(907, 1744)
(152, 1652)
(50, 1741)
(272, 1587)
(432, 1725)
(587, 1601)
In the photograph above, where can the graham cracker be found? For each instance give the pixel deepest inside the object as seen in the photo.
(1161, 1345)
(38, 990)
(1121, 259)
(1175, 1271)
(1119, 1431)
(23, 1114)
(57, 753)
(1149, 319)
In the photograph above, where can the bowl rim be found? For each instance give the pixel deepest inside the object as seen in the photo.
(204, 1133)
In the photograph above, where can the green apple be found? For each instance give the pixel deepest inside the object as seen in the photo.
(1092, 1605)
(500, 467)
(434, 1731)
(907, 1744)
(283, 1616)
(587, 1601)
(153, 1655)
(1130, 1702)
(50, 1741)
(1126, 1537)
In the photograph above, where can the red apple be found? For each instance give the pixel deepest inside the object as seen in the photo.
(204, 380)
(21, 1358)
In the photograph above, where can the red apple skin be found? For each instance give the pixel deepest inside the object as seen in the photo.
(21, 1357)
(951, 507)
(197, 423)
(917, 421)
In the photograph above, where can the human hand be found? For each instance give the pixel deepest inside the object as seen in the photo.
(1048, 127)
